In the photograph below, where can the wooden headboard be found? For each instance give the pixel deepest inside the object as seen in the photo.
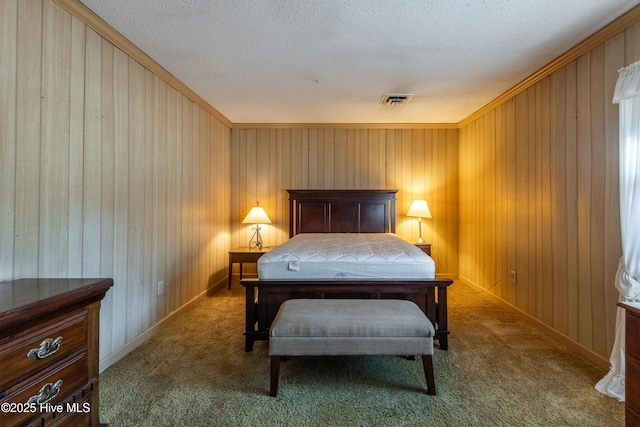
(342, 211)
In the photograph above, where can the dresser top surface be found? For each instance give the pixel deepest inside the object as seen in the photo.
(31, 297)
(633, 307)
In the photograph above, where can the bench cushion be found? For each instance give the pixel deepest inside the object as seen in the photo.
(350, 327)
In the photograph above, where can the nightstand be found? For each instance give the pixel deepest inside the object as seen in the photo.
(424, 247)
(243, 255)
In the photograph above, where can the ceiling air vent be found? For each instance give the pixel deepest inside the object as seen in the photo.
(396, 98)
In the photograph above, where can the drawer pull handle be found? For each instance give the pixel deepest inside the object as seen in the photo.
(46, 349)
(46, 393)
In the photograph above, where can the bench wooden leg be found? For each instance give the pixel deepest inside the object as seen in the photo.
(275, 374)
(427, 363)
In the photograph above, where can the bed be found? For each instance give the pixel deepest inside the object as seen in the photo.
(360, 215)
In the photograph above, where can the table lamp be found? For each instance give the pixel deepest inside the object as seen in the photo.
(256, 216)
(419, 209)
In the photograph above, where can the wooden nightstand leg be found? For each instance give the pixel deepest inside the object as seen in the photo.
(240, 271)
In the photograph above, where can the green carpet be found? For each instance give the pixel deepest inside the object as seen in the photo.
(498, 371)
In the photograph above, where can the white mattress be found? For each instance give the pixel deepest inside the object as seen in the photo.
(346, 256)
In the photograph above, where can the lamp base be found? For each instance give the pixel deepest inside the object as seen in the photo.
(256, 239)
(419, 241)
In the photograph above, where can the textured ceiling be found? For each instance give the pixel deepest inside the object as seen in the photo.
(330, 61)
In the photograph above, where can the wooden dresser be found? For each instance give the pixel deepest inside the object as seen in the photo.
(632, 367)
(49, 359)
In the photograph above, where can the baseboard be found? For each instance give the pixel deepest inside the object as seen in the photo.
(144, 337)
(546, 329)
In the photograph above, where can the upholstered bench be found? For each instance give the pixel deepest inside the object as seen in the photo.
(338, 327)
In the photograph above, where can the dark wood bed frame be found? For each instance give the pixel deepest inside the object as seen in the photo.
(341, 211)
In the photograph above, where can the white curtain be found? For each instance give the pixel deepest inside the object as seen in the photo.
(627, 281)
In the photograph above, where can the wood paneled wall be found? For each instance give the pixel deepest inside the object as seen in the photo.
(420, 163)
(105, 171)
(539, 196)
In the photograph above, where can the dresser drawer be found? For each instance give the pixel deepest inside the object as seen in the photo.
(632, 383)
(51, 387)
(632, 418)
(79, 414)
(35, 350)
(633, 333)
(75, 419)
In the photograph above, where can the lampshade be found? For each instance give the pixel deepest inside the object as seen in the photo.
(256, 215)
(419, 209)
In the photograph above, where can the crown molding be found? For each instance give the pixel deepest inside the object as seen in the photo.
(345, 126)
(93, 21)
(601, 36)
(81, 12)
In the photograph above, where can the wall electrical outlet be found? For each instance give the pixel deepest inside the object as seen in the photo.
(161, 287)
(514, 277)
